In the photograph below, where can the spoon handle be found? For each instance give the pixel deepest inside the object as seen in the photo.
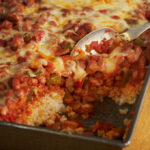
(135, 32)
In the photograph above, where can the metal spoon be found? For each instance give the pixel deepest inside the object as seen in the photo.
(101, 33)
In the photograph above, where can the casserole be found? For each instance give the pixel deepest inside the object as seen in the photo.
(42, 85)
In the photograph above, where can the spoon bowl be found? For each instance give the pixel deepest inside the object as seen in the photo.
(96, 35)
(107, 33)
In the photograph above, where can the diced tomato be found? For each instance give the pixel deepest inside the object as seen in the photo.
(2, 86)
(16, 84)
(11, 103)
(27, 26)
(79, 31)
(102, 126)
(94, 45)
(2, 42)
(6, 25)
(55, 126)
(65, 12)
(20, 93)
(115, 17)
(133, 56)
(71, 124)
(147, 14)
(101, 47)
(21, 59)
(38, 36)
(53, 23)
(87, 9)
(17, 41)
(103, 11)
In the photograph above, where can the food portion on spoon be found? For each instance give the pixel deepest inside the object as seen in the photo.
(106, 33)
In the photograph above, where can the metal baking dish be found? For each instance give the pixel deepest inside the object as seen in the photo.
(21, 137)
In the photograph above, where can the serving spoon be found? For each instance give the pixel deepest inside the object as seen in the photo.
(101, 33)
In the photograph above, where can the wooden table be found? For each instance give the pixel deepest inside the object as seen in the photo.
(141, 137)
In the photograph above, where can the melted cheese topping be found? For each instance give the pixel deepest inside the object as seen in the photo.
(96, 3)
(110, 60)
(70, 67)
(55, 22)
(114, 8)
(98, 13)
(54, 26)
(59, 65)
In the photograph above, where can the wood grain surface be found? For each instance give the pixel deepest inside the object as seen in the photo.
(141, 137)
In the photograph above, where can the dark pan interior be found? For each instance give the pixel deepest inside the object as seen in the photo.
(108, 111)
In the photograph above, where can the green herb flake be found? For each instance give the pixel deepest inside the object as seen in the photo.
(140, 42)
(29, 97)
(126, 77)
(54, 79)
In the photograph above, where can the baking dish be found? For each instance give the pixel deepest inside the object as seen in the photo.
(32, 77)
(16, 137)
